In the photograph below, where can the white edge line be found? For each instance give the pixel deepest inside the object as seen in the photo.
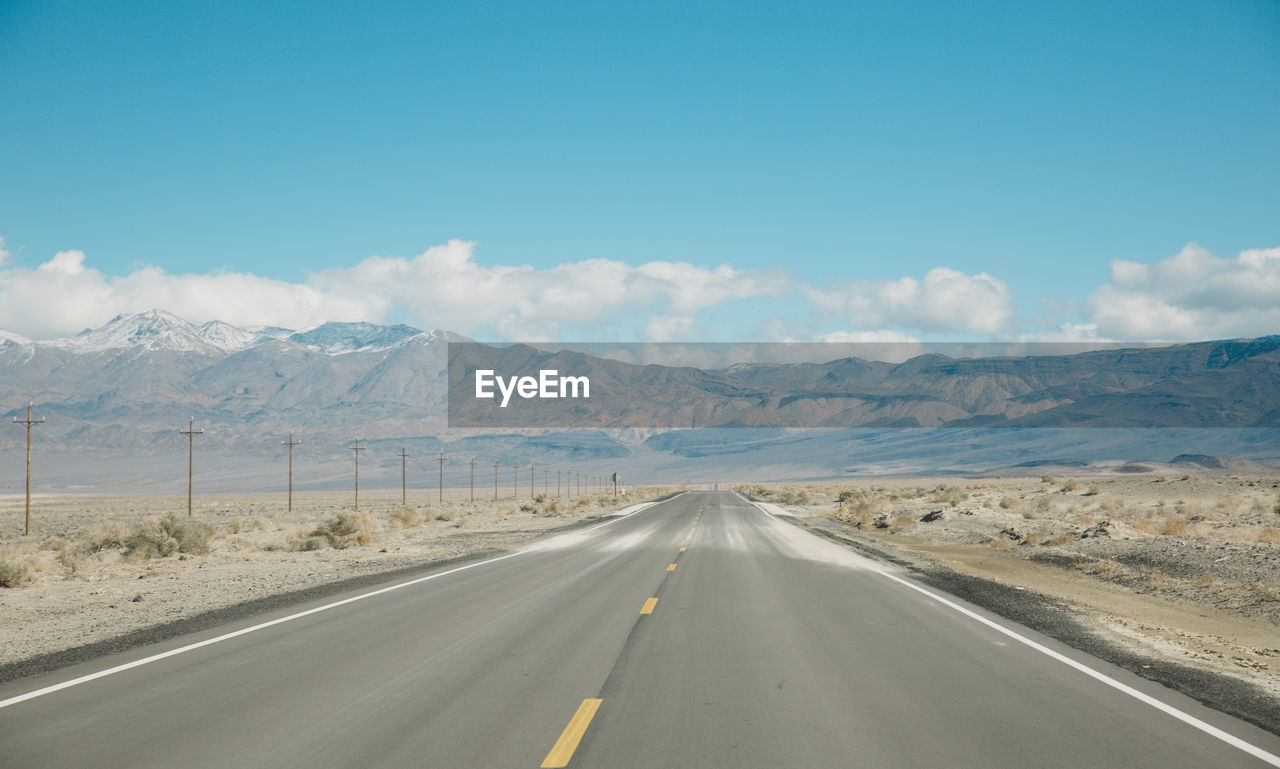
(280, 620)
(1164, 707)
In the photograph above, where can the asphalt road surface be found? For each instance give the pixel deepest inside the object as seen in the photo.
(765, 647)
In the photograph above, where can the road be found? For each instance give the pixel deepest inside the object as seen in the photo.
(765, 647)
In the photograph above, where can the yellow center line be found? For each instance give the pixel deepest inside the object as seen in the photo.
(562, 751)
(648, 606)
(672, 567)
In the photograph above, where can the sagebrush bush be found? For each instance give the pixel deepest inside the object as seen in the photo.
(347, 529)
(13, 574)
(160, 537)
(405, 517)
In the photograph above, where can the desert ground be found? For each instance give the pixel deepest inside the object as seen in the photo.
(98, 567)
(1184, 567)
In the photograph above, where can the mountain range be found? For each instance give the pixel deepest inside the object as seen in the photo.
(115, 396)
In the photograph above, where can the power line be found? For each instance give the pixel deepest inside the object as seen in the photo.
(29, 422)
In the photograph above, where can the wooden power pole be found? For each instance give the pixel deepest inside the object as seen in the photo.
(495, 481)
(441, 460)
(404, 474)
(473, 479)
(191, 432)
(29, 422)
(291, 443)
(357, 448)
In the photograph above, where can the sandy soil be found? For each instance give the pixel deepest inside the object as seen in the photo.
(95, 567)
(1184, 567)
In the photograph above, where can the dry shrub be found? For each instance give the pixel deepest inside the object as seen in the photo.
(1268, 534)
(1105, 568)
(1144, 525)
(108, 535)
(1007, 503)
(1048, 479)
(1263, 591)
(1036, 538)
(446, 515)
(1110, 505)
(346, 529)
(13, 574)
(1159, 580)
(1205, 580)
(160, 537)
(1000, 544)
(1093, 491)
(1175, 527)
(1031, 515)
(902, 521)
(1185, 477)
(1069, 485)
(950, 495)
(405, 517)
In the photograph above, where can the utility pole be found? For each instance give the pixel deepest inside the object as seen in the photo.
(473, 479)
(29, 422)
(291, 443)
(531, 481)
(357, 448)
(441, 458)
(557, 484)
(495, 481)
(515, 481)
(404, 473)
(544, 481)
(191, 432)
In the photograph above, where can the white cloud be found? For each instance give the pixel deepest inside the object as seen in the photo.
(444, 287)
(1191, 295)
(945, 300)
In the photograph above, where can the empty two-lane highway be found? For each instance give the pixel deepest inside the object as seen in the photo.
(699, 632)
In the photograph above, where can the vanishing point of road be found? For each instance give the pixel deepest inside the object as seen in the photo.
(702, 631)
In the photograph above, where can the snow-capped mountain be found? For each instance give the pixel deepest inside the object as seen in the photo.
(8, 337)
(338, 338)
(161, 330)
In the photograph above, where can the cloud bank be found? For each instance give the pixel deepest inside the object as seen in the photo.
(1191, 295)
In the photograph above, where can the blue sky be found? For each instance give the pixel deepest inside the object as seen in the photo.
(826, 154)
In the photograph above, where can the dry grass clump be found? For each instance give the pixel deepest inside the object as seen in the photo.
(13, 574)
(546, 506)
(1007, 503)
(1110, 505)
(405, 517)
(1267, 534)
(859, 507)
(161, 537)
(949, 495)
(1175, 527)
(344, 530)
(1105, 568)
(1070, 485)
(902, 522)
